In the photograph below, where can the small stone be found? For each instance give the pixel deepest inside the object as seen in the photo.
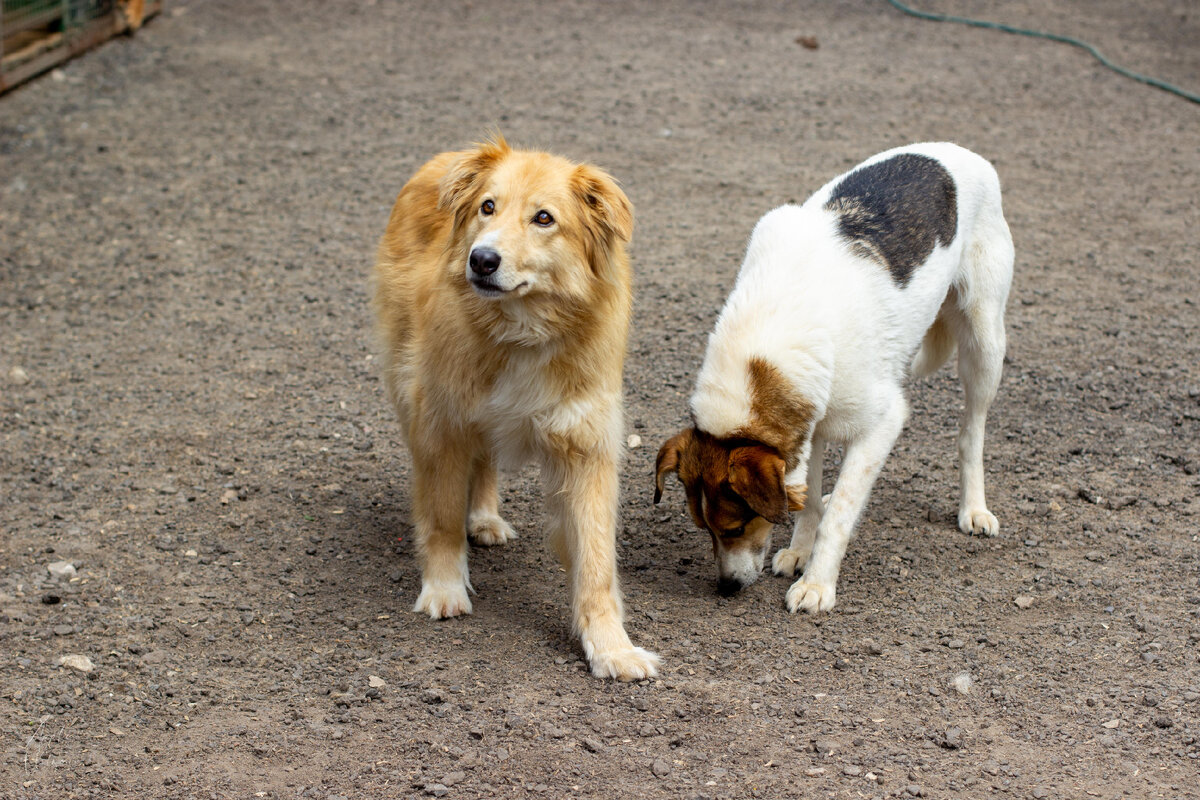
(592, 745)
(432, 696)
(953, 738)
(814, 772)
(1023, 601)
(376, 682)
(1112, 723)
(660, 768)
(962, 683)
(852, 770)
(18, 376)
(824, 746)
(81, 663)
(436, 790)
(61, 570)
(956, 644)
(914, 790)
(451, 778)
(1040, 793)
(1095, 556)
(191, 553)
(634, 441)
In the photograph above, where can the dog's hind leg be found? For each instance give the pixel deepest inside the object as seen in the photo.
(938, 343)
(485, 526)
(979, 329)
(441, 470)
(796, 554)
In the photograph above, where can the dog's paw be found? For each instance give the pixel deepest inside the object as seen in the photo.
(440, 601)
(489, 530)
(787, 561)
(810, 596)
(629, 664)
(978, 521)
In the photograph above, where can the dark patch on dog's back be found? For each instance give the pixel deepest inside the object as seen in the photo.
(895, 211)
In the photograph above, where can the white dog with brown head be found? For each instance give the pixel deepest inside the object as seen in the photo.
(881, 273)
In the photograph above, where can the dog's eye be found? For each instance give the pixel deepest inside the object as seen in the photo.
(543, 218)
(733, 533)
(488, 208)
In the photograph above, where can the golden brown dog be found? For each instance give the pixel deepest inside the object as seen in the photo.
(502, 299)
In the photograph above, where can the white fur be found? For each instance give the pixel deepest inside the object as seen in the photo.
(845, 334)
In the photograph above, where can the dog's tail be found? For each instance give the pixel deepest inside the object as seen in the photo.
(936, 348)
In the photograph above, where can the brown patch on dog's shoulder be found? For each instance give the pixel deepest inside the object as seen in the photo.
(779, 416)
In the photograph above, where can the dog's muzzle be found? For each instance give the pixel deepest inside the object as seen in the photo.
(484, 261)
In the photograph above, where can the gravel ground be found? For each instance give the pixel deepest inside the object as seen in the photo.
(190, 416)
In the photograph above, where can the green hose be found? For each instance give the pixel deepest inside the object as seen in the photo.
(1054, 37)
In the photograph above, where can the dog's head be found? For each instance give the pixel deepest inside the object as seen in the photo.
(735, 491)
(531, 223)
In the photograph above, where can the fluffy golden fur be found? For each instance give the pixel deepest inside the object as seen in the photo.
(502, 300)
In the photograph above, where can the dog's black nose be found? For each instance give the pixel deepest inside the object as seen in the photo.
(484, 261)
(727, 587)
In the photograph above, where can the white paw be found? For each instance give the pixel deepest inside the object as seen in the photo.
(810, 596)
(442, 600)
(978, 521)
(787, 561)
(489, 530)
(628, 664)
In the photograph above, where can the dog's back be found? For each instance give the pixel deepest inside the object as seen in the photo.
(849, 283)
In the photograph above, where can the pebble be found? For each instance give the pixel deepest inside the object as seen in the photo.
(593, 745)
(824, 746)
(436, 790)
(18, 376)
(376, 682)
(956, 644)
(1112, 723)
(962, 683)
(81, 663)
(914, 790)
(660, 767)
(852, 770)
(634, 441)
(451, 778)
(813, 772)
(953, 740)
(1023, 601)
(61, 570)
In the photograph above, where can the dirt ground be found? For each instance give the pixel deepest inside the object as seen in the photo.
(190, 415)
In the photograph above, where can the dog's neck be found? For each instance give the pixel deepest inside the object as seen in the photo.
(756, 402)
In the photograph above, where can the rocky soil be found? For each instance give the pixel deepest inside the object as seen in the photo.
(204, 502)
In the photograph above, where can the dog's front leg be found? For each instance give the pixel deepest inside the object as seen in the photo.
(581, 492)
(816, 590)
(441, 471)
(796, 554)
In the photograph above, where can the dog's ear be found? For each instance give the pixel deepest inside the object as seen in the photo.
(756, 474)
(668, 459)
(607, 212)
(796, 496)
(463, 176)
